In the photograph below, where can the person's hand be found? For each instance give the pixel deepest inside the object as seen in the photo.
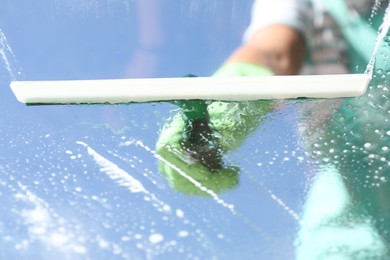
(277, 47)
(242, 69)
(191, 146)
(191, 160)
(234, 121)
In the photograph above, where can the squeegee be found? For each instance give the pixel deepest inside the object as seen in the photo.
(116, 91)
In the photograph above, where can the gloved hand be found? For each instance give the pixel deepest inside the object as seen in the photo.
(191, 146)
(242, 69)
(234, 121)
(191, 161)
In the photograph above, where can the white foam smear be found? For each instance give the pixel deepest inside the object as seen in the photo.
(189, 178)
(182, 173)
(383, 29)
(124, 179)
(6, 56)
(281, 203)
(278, 200)
(212, 194)
(198, 184)
(121, 177)
(46, 226)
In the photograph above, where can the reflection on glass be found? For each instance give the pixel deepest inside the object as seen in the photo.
(193, 143)
(74, 188)
(347, 212)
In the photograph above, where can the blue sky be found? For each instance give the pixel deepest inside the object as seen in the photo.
(59, 193)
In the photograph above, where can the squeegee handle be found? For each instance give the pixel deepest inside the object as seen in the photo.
(194, 110)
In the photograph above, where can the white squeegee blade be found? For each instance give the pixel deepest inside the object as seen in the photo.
(193, 88)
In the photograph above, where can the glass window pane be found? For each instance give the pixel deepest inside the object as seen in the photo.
(267, 179)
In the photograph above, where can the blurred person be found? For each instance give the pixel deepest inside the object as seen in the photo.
(346, 214)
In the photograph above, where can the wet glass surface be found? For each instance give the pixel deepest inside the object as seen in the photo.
(298, 179)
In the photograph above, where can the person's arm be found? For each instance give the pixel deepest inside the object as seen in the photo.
(190, 149)
(280, 48)
(275, 37)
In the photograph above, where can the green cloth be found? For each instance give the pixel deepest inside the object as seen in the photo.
(191, 148)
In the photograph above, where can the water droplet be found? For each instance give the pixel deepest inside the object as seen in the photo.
(179, 213)
(125, 238)
(183, 233)
(156, 238)
(367, 145)
(166, 208)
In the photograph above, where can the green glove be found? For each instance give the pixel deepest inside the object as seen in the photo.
(192, 144)
(234, 121)
(184, 169)
(242, 69)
